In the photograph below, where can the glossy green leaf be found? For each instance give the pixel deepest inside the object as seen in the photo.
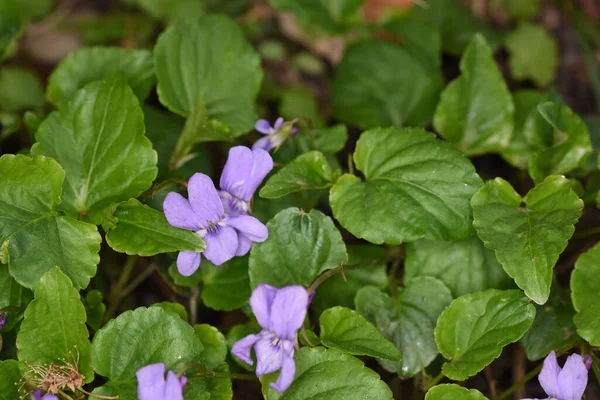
(98, 138)
(533, 54)
(341, 289)
(464, 265)
(300, 102)
(415, 187)
(527, 233)
(12, 295)
(330, 16)
(20, 89)
(226, 287)
(135, 228)
(472, 331)
(370, 94)
(552, 328)
(476, 110)
(453, 392)
(407, 321)
(94, 308)
(54, 327)
(584, 292)
(209, 61)
(295, 235)
(215, 348)
(332, 375)
(10, 24)
(205, 388)
(90, 64)
(34, 238)
(310, 171)
(9, 388)
(569, 147)
(173, 308)
(348, 331)
(140, 337)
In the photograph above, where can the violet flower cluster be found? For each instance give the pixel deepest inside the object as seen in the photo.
(221, 218)
(280, 313)
(152, 384)
(566, 383)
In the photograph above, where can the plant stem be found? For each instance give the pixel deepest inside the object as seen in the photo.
(124, 292)
(194, 305)
(434, 381)
(519, 383)
(212, 374)
(329, 273)
(587, 232)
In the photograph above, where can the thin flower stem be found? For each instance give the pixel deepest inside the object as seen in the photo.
(329, 273)
(150, 192)
(392, 277)
(519, 383)
(433, 382)
(10, 308)
(587, 232)
(350, 164)
(114, 297)
(128, 289)
(194, 305)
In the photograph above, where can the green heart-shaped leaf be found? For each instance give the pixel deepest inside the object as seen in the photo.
(584, 292)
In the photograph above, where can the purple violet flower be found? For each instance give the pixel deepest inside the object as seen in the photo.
(272, 139)
(203, 214)
(152, 384)
(280, 313)
(567, 383)
(244, 171)
(37, 395)
(3, 319)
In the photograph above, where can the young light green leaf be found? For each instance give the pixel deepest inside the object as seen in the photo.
(94, 308)
(348, 331)
(20, 89)
(135, 228)
(527, 234)
(296, 235)
(309, 171)
(341, 289)
(330, 16)
(552, 328)
(98, 138)
(569, 147)
(12, 295)
(140, 337)
(387, 95)
(533, 54)
(210, 61)
(407, 321)
(472, 331)
(215, 348)
(584, 292)
(332, 375)
(415, 187)
(476, 111)
(9, 388)
(54, 327)
(464, 265)
(97, 63)
(453, 392)
(34, 238)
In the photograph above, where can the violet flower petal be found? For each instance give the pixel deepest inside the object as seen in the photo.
(179, 213)
(572, 379)
(244, 171)
(263, 143)
(151, 382)
(173, 390)
(188, 262)
(49, 397)
(286, 376)
(221, 245)
(261, 302)
(244, 245)
(288, 311)
(204, 199)
(548, 377)
(269, 356)
(278, 123)
(250, 227)
(241, 348)
(263, 126)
